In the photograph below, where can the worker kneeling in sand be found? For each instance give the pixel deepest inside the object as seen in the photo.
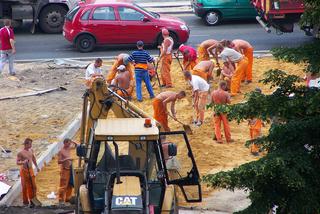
(200, 89)
(160, 112)
(221, 97)
(65, 161)
(25, 158)
(227, 73)
(121, 59)
(204, 70)
(124, 82)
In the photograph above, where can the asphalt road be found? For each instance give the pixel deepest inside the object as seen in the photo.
(44, 46)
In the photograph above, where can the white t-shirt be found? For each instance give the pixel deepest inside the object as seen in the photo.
(233, 55)
(199, 84)
(92, 70)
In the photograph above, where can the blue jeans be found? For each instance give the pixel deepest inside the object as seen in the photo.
(143, 75)
(7, 56)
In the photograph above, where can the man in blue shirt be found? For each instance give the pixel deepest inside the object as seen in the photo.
(141, 58)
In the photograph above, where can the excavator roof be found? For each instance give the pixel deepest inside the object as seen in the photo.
(125, 129)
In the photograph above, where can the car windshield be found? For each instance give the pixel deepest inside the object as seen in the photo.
(153, 14)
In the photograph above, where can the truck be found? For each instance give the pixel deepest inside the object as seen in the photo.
(127, 163)
(47, 14)
(282, 15)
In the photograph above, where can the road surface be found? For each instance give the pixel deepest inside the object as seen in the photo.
(45, 46)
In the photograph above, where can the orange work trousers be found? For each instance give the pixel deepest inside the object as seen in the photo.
(200, 105)
(28, 183)
(203, 54)
(126, 95)
(113, 71)
(200, 73)
(217, 119)
(190, 66)
(159, 114)
(65, 189)
(255, 132)
(237, 76)
(248, 74)
(166, 61)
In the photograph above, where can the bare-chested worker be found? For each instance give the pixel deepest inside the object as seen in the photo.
(123, 81)
(204, 70)
(65, 161)
(25, 158)
(160, 112)
(203, 52)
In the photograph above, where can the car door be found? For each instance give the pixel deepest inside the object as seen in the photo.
(104, 25)
(136, 25)
(245, 9)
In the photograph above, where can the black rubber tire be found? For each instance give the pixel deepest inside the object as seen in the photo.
(212, 18)
(172, 35)
(51, 18)
(85, 43)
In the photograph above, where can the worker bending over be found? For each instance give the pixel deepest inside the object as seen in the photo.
(65, 162)
(233, 56)
(204, 70)
(221, 97)
(189, 56)
(141, 58)
(200, 89)
(25, 158)
(160, 112)
(166, 58)
(124, 82)
(203, 52)
(121, 59)
(93, 70)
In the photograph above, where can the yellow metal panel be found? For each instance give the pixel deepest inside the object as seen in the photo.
(169, 198)
(268, 2)
(125, 129)
(130, 185)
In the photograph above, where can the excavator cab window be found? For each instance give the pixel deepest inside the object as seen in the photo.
(180, 169)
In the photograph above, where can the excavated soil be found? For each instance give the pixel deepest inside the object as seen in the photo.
(44, 117)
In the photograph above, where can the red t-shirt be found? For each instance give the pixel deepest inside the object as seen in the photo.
(192, 53)
(6, 33)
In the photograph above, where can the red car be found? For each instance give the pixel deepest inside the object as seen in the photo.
(102, 22)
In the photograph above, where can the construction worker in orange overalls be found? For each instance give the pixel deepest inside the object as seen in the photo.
(204, 49)
(166, 58)
(25, 158)
(123, 82)
(65, 161)
(160, 112)
(189, 56)
(121, 59)
(204, 70)
(255, 126)
(221, 97)
(234, 57)
(246, 49)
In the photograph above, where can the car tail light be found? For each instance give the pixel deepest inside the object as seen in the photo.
(199, 4)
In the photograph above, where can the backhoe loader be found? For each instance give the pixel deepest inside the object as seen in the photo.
(126, 164)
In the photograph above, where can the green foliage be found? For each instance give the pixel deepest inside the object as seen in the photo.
(289, 174)
(309, 53)
(311, 14)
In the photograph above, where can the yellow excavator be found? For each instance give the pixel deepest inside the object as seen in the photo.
(126, 164)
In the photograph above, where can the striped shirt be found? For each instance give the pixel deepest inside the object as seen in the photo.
(140, 57)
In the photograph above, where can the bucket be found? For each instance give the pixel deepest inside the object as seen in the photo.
(13, 174)
(6, 153)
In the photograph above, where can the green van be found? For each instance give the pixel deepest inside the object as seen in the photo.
(213, 11)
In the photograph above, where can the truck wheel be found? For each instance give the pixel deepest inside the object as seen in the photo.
(212, 18)
(85, 43)
(51, 19)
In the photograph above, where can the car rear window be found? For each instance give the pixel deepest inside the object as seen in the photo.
(104, 13)
(85, 16)
(72, 12)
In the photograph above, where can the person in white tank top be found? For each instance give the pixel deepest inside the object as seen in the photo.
(166, 58)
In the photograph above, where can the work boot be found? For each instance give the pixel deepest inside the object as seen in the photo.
(248, 82)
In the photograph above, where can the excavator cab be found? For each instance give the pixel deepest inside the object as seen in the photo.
(126, 165)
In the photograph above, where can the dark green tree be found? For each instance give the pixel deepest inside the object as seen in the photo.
(289, 174)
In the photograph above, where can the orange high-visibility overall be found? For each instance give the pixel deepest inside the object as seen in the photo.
(166, 61)
(217, 119)
(29, 190)
(113, 71)
(203, 54)
(237, 76)
(255, 132)
(159, 114)
(200, 73)
(248, 52)
(65, 189)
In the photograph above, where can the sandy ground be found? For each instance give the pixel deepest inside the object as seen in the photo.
(44, 117)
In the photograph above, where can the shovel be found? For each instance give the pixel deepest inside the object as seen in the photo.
(34, 200)
(186, 128)
(177, 57)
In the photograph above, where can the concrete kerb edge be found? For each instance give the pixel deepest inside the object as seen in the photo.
(257, 54)
(45, 158)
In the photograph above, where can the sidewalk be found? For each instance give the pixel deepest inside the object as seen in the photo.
(168, 6)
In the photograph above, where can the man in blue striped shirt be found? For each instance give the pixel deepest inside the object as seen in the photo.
(141, 58)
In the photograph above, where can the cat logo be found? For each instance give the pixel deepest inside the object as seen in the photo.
(125, 201)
